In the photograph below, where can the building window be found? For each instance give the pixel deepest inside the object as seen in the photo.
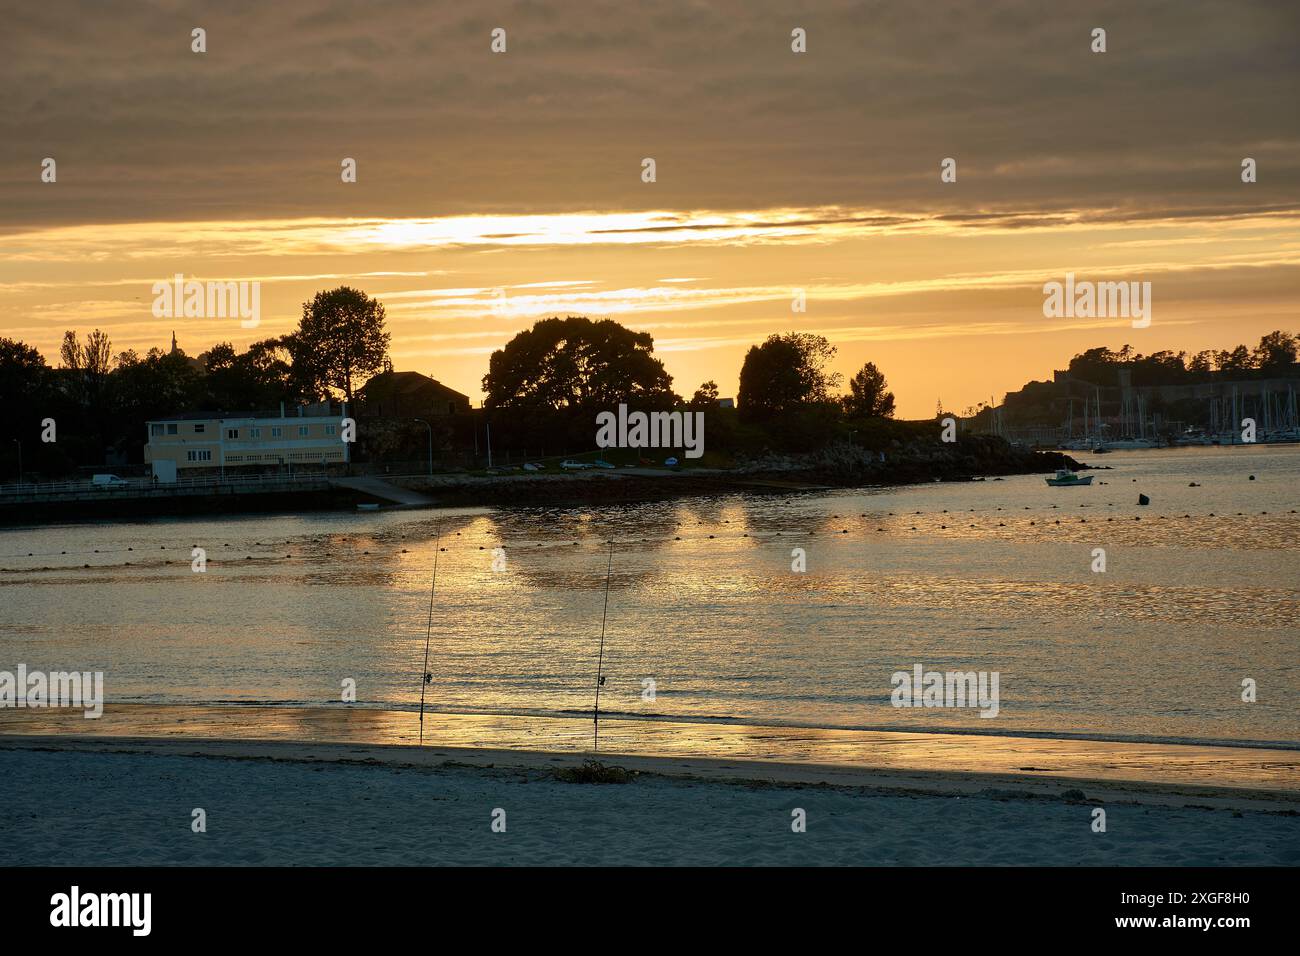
(329, 429)
(302, 431)
(277, 432)
(232, 433)
(171, 428)
(198, 454)
(155, 430)
(255, 433)
(198, 429)
(451, 408)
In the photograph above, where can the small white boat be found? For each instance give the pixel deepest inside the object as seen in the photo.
(1065, 478)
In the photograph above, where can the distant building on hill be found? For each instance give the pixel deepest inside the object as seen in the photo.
(197, 364)
(408, 395)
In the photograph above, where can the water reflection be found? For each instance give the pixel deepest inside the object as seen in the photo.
(705, 604)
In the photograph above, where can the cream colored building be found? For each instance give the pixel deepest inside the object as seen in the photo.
(196, 443)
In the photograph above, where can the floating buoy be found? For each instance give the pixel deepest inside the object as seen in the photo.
(1143, 500)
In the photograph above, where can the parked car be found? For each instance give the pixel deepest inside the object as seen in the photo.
(570, 465)
(601, 463)
(109, 481)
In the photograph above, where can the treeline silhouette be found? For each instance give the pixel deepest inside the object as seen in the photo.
(543, 389)
(1275, 355)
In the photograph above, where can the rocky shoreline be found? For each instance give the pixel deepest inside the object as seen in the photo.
(838, 466)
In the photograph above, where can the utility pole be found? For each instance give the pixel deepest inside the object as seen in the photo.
(488, 426)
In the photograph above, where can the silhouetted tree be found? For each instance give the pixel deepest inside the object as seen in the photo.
(785, 372)
(24, 396)
(160, 384)
(867, 396)
(250, 381)
(1201, 364)
(88, 364)
(1276, 351)
(572, 363)
(340, 340)
(706, 396)
(1238, 360)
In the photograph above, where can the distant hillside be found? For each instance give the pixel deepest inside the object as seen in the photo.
(1161, 394)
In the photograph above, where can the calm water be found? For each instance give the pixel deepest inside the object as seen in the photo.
(1201, 592)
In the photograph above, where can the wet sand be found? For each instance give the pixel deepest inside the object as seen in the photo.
(852, 757)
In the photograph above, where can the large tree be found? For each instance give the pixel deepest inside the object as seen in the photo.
(24, 391)
(254, 380)
(572, 363)
(785, 372)
(868, 395)
(161, 383)
(22, 372)
(89, 364)
(340, 340)
(1238, 360)
(1276, 351)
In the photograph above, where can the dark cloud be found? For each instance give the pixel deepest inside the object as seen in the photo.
(144, 129)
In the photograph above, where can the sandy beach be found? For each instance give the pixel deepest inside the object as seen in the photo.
(122, 790)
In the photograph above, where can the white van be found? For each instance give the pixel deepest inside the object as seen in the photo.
(109, 481)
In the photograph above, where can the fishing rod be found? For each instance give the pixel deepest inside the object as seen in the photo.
(425, 676)
(600, 661)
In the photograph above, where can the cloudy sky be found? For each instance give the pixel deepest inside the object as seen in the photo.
(494, 189)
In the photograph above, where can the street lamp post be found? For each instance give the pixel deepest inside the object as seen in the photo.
(430, 427)
(20, 459)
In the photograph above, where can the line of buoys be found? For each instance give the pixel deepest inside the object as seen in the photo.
(307, 556)
(1143, 500)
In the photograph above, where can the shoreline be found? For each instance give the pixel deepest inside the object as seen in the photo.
(585, 716)
(743, 773)
(833, 468)
(1269, 774)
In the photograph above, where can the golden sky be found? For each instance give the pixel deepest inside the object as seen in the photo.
(495, 189)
